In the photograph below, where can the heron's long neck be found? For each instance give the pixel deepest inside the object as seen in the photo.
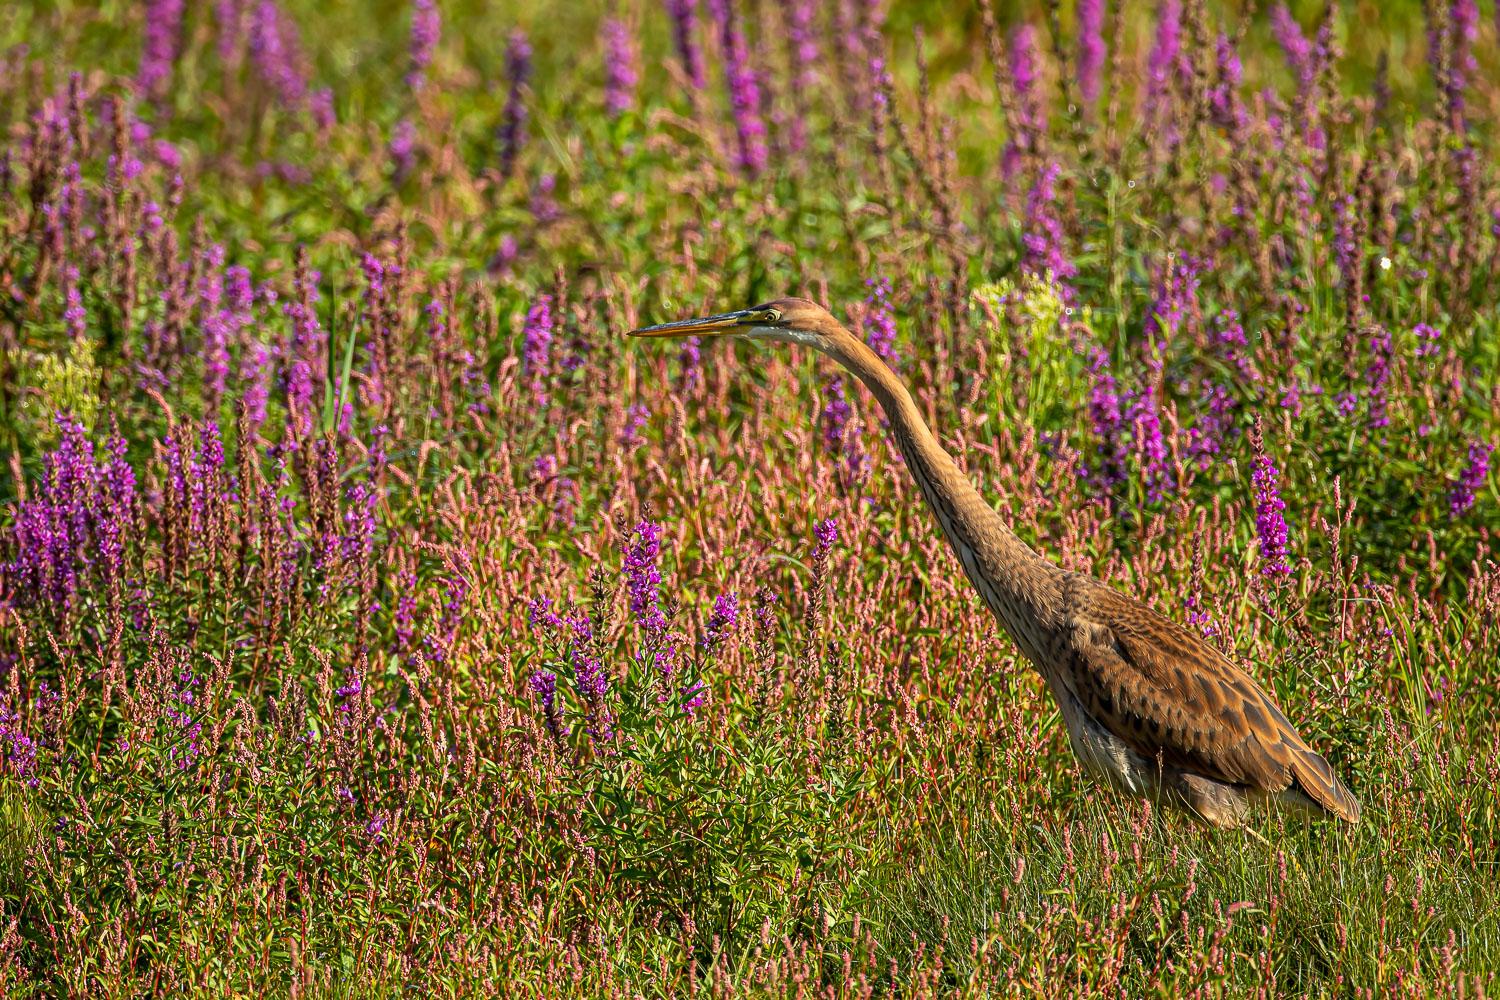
(1020, 587)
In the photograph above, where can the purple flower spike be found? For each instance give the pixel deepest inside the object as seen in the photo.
(1270, 521)
(1044, 238)
(1164, 53)
(512, 132)
(684, 15)
(826, 532)
(1091, 48)
(721, 624)
(1294, 45)
(744, 91)
(275, 50)
(159, 54)
(1473, 479)
(621, 70)
(426, 30)
(880, 321)
(537, 346)
(643, 585)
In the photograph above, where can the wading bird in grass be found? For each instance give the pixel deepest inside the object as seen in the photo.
(1151, 708)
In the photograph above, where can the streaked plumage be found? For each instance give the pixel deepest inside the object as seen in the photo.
(1151, 708)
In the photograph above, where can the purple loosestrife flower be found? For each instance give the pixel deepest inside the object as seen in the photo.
(159, 53)
(1023, 79)
(690, 357)
(684, 14)
(321, 106)
(1216, 425)
(512, 133)
(621, 68)
(74, 315)
(229, 17)
(275, 50)
(1224, 103)
(1427, 339)
(838, 437)
(744, 91)
(537, 346)
(658, 642)
(1043, 238)
(826, 532)
(1144, 421)
(1229, 337)
(218, 324)
(1378, 375)
(1294, 46)
(544, 684)
(722, 622)
(1107, 421)
(1472, 479)
(1463, 17)
(255, 377)
(880, 321)
(1176, 296)
(630, 432)
(302, 368)
(20, 750)
(836, 413)
(643, 579)
(76, 521)
(1346, 244)
(1163, 58)
(186, 731)
(1270, 521)
(802, 33)
(1091, 49)
(426, 30)
(402, 148)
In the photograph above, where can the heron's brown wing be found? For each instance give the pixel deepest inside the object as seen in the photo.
(1168, 694)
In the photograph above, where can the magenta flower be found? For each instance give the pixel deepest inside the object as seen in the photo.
(1270, 519)
(1164, 52)
(1044, 238)
(744, 91)
(803, 36)
(1091, 48)
(880, 320)
(1463, 17)
(159, 53)
(1294, 45)
(321, 106)
(684, 15)
(1023, 78)
(402, 148)
(722, 622)
(536, 338)
(512, 132)
(275, 51)
(621, 70)
(426, 30)
(1472, 479)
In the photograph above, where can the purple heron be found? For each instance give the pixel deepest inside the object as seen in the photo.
(1151, 709)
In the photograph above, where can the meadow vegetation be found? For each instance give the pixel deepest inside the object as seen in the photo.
(375, 618)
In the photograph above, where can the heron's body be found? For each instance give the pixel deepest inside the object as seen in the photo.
(1151, 709)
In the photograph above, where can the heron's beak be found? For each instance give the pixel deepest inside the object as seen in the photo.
(712, 326)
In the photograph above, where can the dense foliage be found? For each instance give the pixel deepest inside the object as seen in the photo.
(375, 617)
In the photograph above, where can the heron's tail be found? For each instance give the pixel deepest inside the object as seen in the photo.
(1317, 781)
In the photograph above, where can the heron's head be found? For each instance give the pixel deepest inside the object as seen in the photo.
(789, 321)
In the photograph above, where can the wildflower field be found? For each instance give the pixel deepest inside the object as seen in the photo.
(376, 619)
